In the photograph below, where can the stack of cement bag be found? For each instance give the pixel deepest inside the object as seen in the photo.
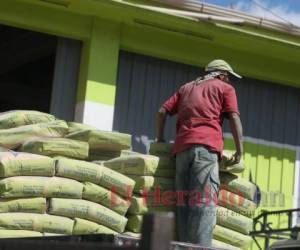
(55, 147)
(103, 145)
(60, 196)
(82, 142)
(235, 212)
(16, 127)
(47, 193)
(153, 184)
(39, 133)
(166, 160)
(236, 205)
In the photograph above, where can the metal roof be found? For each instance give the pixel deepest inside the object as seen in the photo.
(197, 10)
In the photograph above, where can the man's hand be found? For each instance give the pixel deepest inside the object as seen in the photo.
(237, 132)
(234, 159)
(237, 157)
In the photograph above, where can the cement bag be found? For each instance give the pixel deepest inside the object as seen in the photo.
(88, 210)
(126, 152)
(116, 182)
(227, 166)
(231, 237)
(222, 245)
(161, 148)
(236, 203)
(101, 155)
(3, 149)
(88, 227)
(78, 170)
(165, 172)
(233, 220)
(17, 118)
(139, 205)
(76, 127)
(105, 197)
(134, 223)
(98, 174)
(15, 164)
(56, 146)
(18, 234)
(52, 235)
(108, 141)
(36, 222)
(14, 137)
(134, 164)
(238, 185)
(27, 205)
(150, 183)
(55, 224)
(142, 205)
(21, 187)
(166, 162)
(132, 234)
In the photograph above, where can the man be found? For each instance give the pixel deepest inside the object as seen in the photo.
(201, 106)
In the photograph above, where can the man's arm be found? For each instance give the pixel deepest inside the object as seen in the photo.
(160, 124)
(168, 108)
(237, 133)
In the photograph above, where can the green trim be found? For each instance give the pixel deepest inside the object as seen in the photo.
(42, 19)
(101, 93)
(264, 33)
(252, 32)
(280, 67)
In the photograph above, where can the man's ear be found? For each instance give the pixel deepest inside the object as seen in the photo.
(222, 77)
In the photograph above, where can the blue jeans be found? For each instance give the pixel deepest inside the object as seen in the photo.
(197, 186)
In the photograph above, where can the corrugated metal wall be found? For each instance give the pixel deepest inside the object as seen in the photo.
(268, 111)
(64, 89)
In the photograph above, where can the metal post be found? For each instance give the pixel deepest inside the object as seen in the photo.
(157, 231)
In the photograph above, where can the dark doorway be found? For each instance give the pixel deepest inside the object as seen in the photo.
(27, 61)
(38, 72)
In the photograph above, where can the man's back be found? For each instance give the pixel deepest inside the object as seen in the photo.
(202, 100)
(200, 107)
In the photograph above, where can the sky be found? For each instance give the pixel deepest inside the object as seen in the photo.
(286, 9)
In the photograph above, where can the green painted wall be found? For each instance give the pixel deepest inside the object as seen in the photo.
(99, 72)
(39, 18)
(273, 170)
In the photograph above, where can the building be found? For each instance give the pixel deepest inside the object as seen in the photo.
(111, 63)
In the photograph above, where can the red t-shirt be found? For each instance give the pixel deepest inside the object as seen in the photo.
(200, 110)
